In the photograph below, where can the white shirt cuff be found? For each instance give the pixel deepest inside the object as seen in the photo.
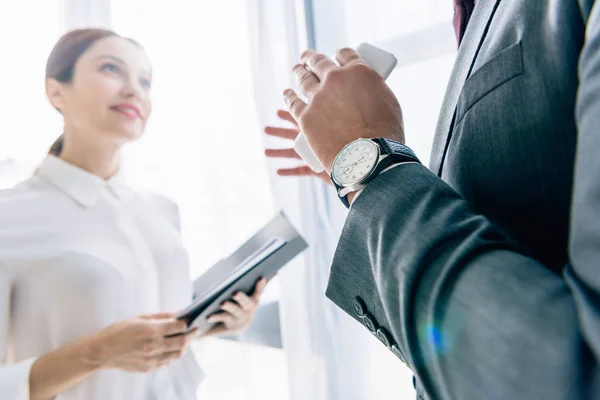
(14, 380)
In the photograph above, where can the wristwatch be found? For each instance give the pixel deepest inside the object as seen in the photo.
(361, 161)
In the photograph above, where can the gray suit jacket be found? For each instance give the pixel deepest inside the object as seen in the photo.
(468, 279)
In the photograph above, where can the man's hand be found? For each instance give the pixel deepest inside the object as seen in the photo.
(345, 103)
(290, 134)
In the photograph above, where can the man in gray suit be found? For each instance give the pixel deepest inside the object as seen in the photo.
(470, 279)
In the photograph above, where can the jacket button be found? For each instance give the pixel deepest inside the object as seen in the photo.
(369, 323)
(398, 353)
(383, 337)
(359, 307)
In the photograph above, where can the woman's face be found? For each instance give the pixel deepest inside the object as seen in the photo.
(108, 98)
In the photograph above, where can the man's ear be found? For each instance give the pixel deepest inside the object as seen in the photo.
(55, 93)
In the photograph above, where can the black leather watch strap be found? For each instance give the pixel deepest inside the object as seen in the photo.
(398, 150)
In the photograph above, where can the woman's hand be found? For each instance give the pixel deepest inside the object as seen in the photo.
(141, 344)
(236, 316)
(290, 134)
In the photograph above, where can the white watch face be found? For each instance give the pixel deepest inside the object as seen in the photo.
(355, 162)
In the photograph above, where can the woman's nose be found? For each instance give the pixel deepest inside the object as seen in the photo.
(132, 88)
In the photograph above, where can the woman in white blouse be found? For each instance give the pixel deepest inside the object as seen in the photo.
(91, 271)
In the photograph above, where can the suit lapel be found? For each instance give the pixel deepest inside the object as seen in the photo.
(472, 40)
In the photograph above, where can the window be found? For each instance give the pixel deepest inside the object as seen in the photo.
(420, 34)
(203, 148)
(203, 145)
(29, 123)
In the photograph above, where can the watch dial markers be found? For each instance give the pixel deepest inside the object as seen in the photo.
(355, 162)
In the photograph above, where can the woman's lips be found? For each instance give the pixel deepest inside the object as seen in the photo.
(127, 110)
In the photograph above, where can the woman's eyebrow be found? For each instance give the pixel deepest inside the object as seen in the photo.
(117, 59)
(120, 61)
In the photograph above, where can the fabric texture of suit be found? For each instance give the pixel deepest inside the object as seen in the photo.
(468, 278)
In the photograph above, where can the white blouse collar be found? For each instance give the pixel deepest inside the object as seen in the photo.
(80, 185)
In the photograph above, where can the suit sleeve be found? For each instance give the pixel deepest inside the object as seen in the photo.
(583, 275)
(473, 317)
(14, 378)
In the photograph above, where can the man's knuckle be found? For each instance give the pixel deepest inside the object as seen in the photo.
(295, 104)
(303, 78)
(361, 68)
(318, 59)
(345, 51)
(149, 347)
(150, 331)
(317, 99)
(334, 76)
(304, 118)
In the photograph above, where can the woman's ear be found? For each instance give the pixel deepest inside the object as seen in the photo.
(55, 93)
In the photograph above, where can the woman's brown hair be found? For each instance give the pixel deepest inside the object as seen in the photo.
(64, 56)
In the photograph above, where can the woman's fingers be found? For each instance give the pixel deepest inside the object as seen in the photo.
(233, 309)
(158, 361)
(163, 315)
(174, 343)
(172, 327)
(245, 302)
(259, 290)
(223, 317)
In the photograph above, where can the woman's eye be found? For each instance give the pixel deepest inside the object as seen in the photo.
(110, 68)
(146, 84)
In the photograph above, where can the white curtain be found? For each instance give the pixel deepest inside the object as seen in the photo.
(202, 148)
(86, 13)
(28, 124)
(330, 356)
(28, 31)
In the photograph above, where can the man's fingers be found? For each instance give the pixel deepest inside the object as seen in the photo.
(297, 171)
(306, 80)
(284, 133)
(346, 56)
(282, 153)
(286, 116)
(318, 64)
(294, 103)
(259, 290)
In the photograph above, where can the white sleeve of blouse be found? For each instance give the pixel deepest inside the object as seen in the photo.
(14, 378)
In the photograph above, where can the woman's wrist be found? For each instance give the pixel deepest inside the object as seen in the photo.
(62, 368)
(90, 351)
